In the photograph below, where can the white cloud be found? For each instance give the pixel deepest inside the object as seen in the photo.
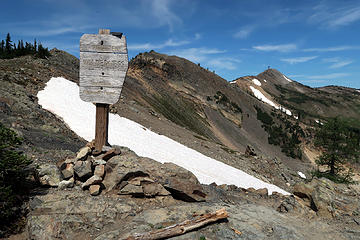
(161, 10)
(332, 49)
(244, 32)
(196, 54)
(197, 36)
(150, 46)
(337, 62)
(329, 76)
(278, 48)
(335, 16)
(224, 63)
(341, 64)
(298, 59)
(208, 57)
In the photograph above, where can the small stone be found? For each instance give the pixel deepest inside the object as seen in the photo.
(99, 162)
(262, 191)
(83, 169)
(111, 153)
(91, 144)
(49, 175)
(99, 170)
(133, 190)
(94, 190)
(154, 189)
(106, 148)
(83, 152)
(68, 172)
(91, 181)
(138, 180)
(70, 160)
(66, 183)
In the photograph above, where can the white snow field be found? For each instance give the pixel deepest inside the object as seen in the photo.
(259, 95)
(289, 80)
(61, 97)
(256, 82)
(302, 175)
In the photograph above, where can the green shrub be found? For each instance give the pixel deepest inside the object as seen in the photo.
(12, 176)
(285, 134)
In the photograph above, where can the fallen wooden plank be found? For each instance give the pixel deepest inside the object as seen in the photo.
(181, 228)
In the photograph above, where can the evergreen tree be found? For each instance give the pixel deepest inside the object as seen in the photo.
(8, 46)
(42, 52)
(11, 50)
(35, 46)
(339, 144)
(2, 48)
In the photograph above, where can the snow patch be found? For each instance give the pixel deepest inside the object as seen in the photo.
(261, 97)
(265, 80)
(232, 82)
(61, 97)
(256, 82)
(289, 80)
(318, 122)
(301, 175)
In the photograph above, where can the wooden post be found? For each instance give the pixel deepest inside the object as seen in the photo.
(101, 125)
(102, 117)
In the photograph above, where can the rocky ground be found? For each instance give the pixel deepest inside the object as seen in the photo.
(319, 209)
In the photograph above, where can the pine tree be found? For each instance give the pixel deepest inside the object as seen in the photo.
(42, 52)
(8, 46)
(339, 145)
(2, 48)
(35, 46)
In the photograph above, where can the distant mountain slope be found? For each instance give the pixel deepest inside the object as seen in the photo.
(310, 104)
(199, 100)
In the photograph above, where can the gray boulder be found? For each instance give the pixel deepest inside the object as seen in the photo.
(182, 184)
(49, 175)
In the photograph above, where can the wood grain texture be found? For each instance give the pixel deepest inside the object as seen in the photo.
(181, 228)
(103, 67)
(110, 44)
(101, 126)
(97, 95)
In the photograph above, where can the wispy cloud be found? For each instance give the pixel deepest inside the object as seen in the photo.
(224, 63)
(329, 76)
(334, 16)
(298, 59)
(244, 32)
(197, 36)
(196, 54)
(150, 46)
(161, 10)
(278, 48)
(337, 62)
(332, 49)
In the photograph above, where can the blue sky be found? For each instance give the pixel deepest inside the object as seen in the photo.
(313, 42)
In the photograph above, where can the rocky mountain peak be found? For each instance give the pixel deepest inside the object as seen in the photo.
(274, 76)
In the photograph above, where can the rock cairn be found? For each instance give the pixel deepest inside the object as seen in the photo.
(87, 169)
(118, 170)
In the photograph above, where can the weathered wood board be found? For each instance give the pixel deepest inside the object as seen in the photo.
(103, 67)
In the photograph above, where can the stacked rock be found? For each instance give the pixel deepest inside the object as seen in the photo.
(87, 169)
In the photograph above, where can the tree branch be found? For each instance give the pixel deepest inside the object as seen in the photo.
(181, 228)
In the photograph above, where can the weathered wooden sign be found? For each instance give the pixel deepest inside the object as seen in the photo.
(103, 66)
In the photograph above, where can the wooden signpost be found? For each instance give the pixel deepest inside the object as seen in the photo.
(103, 67)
